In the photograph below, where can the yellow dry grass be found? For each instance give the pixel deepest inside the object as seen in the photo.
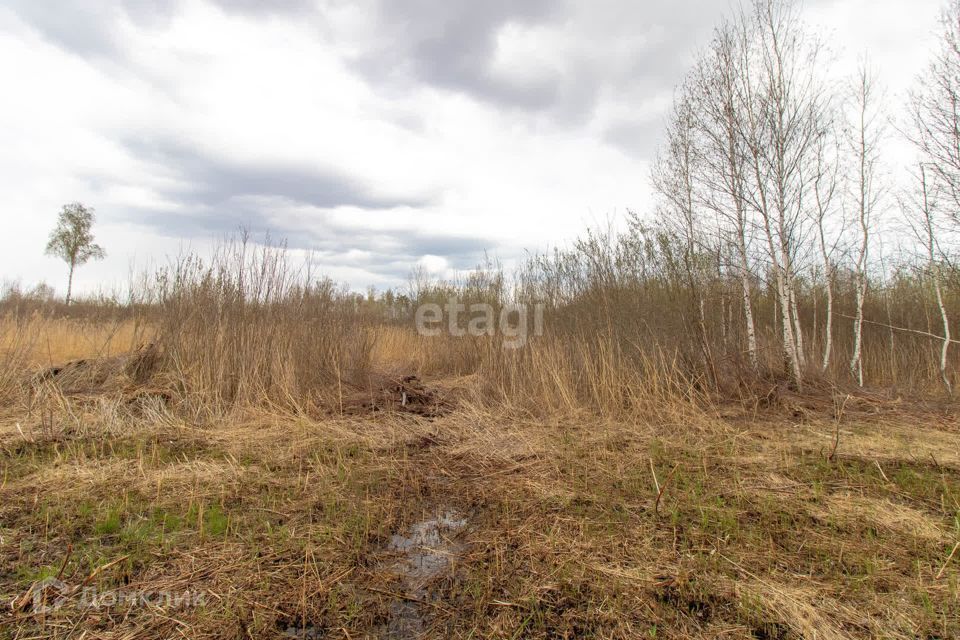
(44, 342)
(664, 516)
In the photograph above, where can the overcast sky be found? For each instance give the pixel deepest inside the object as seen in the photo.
(380, 134)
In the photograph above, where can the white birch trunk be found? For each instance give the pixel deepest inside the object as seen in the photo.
(856, 362)
(935, 275)
(946, 334)
(828, 328)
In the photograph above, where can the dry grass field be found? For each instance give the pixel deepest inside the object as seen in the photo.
(419, 508)
(729, 413)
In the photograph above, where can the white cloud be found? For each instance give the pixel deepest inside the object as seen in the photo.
(418, 169)
(435, 265)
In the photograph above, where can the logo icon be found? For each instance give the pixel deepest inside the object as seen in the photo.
(50, 594)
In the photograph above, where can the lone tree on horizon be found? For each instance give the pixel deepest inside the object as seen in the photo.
(72, 239)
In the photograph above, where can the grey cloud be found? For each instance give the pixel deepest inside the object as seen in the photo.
(396, 251)
(86, 28)
(200, 222)
(215, 197)
(451, 45)
(421, 243)
(391, 253)
(273, 7)
(391, 247)
(205, 180)
(639, 138)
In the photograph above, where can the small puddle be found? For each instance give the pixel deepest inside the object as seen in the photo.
(308, 632)
(428, 549)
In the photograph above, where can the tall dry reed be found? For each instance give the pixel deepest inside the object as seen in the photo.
(249, 328)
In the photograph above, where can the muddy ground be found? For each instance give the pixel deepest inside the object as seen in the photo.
(411, 514)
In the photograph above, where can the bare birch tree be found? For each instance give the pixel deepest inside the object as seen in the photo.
(920, 210)
(783, 104)
(935, 131)
(864, 138)
(824, 190)
(674, 175)
(716, 81)
(935, 111)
